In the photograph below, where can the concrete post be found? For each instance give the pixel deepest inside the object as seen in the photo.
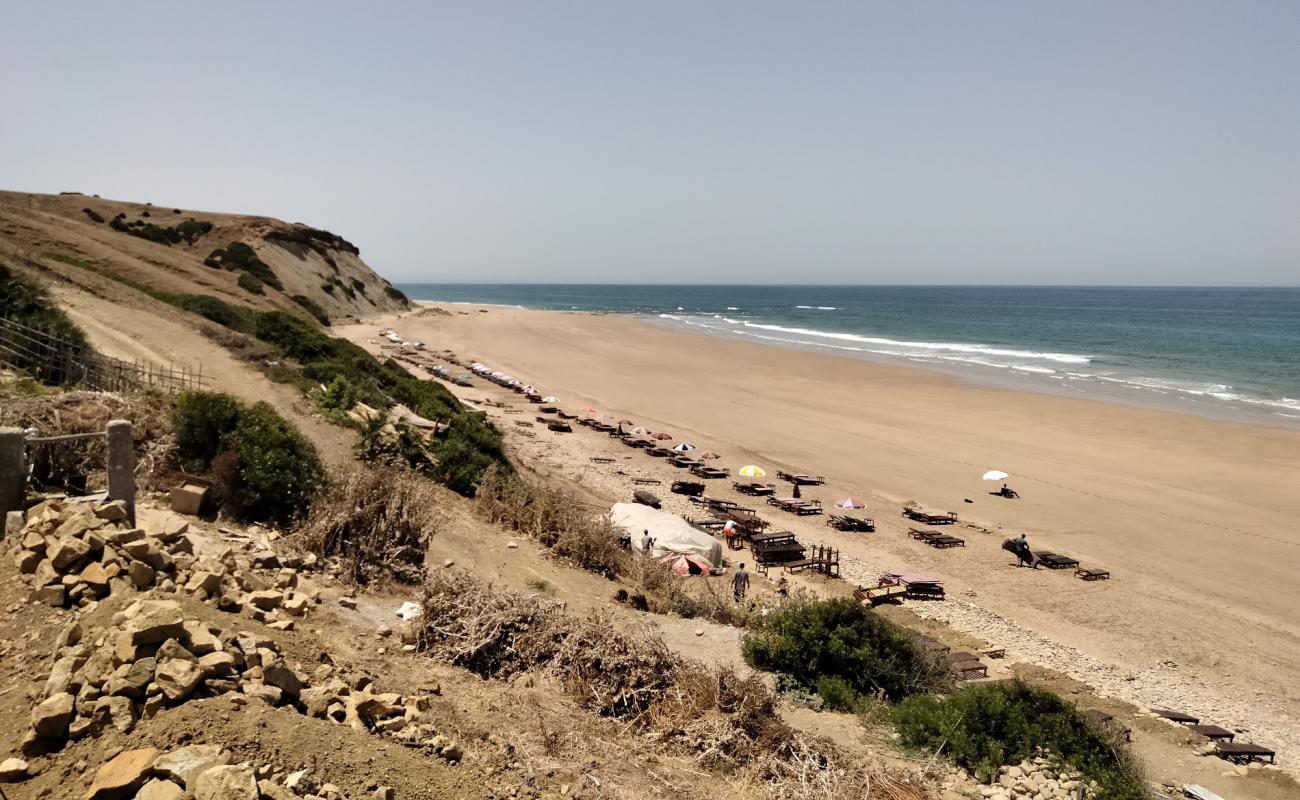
(13, 470)
(121, 465)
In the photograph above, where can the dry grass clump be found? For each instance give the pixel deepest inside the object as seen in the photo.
(376, 522)
(60, 413)
(721, 720)
(554, 518)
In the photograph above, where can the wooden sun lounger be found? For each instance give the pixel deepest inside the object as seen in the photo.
(950, 518)
(646, 481)
(801, 478)
(1244, 752)
(687, 488)
(685, 462)
(636, 443)
(995, 652)
(1057, 561)
(1176, 716)
(924, 536)
(1092, 574)
(658, 452)
(931, 644)
(559, 427)
(548, 409)
(755, 489)
(1213, 732)
(944, 542)
(875, 595)
(602, 460)
(841, 522)
(710, 473)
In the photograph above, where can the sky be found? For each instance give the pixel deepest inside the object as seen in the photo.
(716, 142)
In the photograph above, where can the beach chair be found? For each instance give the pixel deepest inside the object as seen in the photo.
(602, 460)
(559, 426)
(1176, 716)
(967, 665)
(1057, 561)
(842, 522)
(688, 488)
(945, 542)
(1244, 752)
(922, 535)
(1213, 732)
(949, 518)
(1092, 574)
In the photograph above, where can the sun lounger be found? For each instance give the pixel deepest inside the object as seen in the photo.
(548, 409)
(945, 542)
(646, 481)
(1243, 752)
(930, 644)
(801, 478)
(1176, 716)
(917, 515)
(995, 652)
(565, 414)
(842, 522)
(875, 595)
(658, 452)
(1092, 574)
(922, 535)
(709, 473)
(919, 587)
(689, 488)
(559, 427)
(1057, 561)
(602, 460)
(637, 443)
(685, 462)
(755, 489)
(1213, 732)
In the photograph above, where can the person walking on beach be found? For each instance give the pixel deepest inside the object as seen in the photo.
(739, 583)
(1022, 550)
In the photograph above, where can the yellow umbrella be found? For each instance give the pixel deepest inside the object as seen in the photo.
(752, 471)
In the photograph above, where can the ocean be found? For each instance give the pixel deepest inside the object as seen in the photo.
(1228, 353)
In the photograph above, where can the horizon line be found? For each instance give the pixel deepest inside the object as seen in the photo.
(865, 285)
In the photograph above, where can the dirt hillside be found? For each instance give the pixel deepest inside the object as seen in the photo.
(165, 249)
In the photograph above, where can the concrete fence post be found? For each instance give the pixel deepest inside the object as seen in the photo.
(121, 465)
(13, 470)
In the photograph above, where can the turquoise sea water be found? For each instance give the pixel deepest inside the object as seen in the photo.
(1222, 352)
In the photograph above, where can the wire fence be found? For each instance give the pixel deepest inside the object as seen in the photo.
(54, 360)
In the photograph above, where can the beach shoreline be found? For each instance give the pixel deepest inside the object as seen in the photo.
(1195, 518)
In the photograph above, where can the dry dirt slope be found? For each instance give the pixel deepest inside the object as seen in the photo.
(56, 233)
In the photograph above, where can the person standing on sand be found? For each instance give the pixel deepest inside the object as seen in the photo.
(645, 542)
(1022, 550)
(740, 583)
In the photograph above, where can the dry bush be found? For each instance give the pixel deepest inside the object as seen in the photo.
(721, 720)
(666, 592)
(89, 412)
(376, 522)
(554, 518)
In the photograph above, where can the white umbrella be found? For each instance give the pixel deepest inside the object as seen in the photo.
(550, 399)
(850, 502)
(995, 475)
(640, 432)
(752, 471)
(683, 447)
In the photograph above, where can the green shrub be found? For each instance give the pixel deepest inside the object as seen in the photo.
(397, 294)
(279, 470)
(836, 693)
(201, 421)
(90, 212)
(249, 283)
(814, 639)
(239, 257)
(219, 311)
(28, 304)
(312, 308)
(265, 470)
(985, 726)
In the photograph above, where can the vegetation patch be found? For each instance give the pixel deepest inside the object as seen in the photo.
(265, 470)
(397, 294)
(814, 641)
(985, 726)
(376, 523)
(239, 257)
(249, 283)
(187, 231)
(27, 303)
(92, 216)
(312, 237)
(312, 307)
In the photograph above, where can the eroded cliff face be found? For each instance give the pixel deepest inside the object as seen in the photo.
(259, 262)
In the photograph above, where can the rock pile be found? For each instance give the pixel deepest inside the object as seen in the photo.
(78, 553)
(153, 658)
(204, 772)
(1039, 778)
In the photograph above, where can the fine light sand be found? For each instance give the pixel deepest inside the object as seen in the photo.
(1198, 520)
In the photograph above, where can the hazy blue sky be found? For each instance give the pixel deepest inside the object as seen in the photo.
(926, 142)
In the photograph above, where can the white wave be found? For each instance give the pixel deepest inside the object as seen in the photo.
(937, 347)
(732, 308)
(807, 307)
(827, 308)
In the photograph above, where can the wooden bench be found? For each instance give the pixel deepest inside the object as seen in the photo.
(1243, 752)
(1057, 561)
(944, 542)
(1213, 732)
(1176, 716)
(1092, 574)
(646, 481)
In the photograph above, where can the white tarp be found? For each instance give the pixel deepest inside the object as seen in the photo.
(671, 533)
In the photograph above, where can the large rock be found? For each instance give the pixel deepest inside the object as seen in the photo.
(124, 537)
(141, 574)
(112, 511)
(203, 582)
(267, 599)
(68, 551)
(13, 770)
(158, 789)
(156, 622)
(199, 640)
(51, 717)
(118, 779)
(217, 665)
(95, 576)
(116, 711)
(186, 764)
(281, 675)
(226, 783)
(61, 676)
(178, 677)
(27, 561)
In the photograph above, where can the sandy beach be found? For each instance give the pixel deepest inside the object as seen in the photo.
(1195, 518)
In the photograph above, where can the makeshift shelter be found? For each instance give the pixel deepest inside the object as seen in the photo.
(672, 535)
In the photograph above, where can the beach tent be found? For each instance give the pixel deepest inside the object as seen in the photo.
(683, 447)
(672, 535)
(686, 565)
(752, 471)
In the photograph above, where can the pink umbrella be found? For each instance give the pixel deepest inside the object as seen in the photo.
(663, 437)
(587, 410)
(686, 565)
(849, 502)
(626, 422)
